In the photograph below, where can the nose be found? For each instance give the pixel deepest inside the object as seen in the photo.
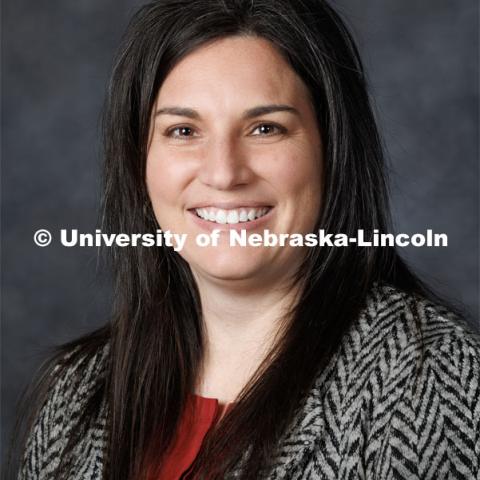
(224, 165)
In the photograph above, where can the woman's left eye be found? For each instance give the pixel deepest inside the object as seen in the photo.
(268, 129)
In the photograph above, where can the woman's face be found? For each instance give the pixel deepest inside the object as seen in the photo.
(235, 144)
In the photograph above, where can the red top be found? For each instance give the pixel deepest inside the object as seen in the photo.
(200, 414)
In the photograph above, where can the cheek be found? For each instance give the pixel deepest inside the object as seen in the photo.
(166, 177)
(297, 179)
(297, 174)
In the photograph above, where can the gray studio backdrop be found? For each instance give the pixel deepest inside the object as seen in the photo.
(422, 62)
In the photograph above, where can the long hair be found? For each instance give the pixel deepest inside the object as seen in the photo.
(156, 336)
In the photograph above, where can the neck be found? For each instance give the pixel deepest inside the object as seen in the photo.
(241, 325)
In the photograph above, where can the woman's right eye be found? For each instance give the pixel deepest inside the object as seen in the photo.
(181, 132)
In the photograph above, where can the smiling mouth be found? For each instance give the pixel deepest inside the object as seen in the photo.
(232, 216)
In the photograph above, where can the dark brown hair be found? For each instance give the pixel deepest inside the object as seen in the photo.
(155, 336)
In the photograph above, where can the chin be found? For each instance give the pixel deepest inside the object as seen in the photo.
(231, 265)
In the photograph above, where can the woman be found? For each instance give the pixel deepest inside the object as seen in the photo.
(329, 362)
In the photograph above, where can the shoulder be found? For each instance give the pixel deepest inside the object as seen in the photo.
(415, 321)
(422, 379)
(407, 337)
(400, 398)
(410, 322)
(399, 336)
(73, 379)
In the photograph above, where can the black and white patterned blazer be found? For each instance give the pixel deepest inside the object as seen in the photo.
(370, 415)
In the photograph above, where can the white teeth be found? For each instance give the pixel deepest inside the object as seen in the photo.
(233, 216)
(221, 216)
(243, 217)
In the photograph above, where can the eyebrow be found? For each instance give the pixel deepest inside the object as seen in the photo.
(248, 114)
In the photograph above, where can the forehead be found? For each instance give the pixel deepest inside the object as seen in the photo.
(233, 71)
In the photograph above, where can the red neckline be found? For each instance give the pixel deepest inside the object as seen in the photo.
(210, 399)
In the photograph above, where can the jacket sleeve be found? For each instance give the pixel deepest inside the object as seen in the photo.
(408, 410)
(57, 419)
(44, 442)
(434, 431)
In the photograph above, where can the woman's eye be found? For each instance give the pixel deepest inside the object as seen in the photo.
(267, 129)
(180, 132)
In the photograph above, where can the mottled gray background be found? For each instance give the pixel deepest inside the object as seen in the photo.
(422, 58)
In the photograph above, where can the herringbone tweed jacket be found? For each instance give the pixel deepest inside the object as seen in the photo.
(370, 415)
